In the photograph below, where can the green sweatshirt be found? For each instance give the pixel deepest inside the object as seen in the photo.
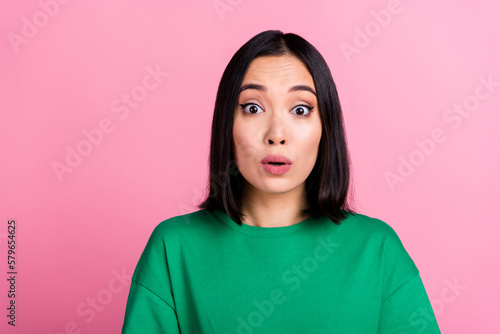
(203, 273)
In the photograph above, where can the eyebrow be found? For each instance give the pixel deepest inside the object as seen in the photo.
(292, 89)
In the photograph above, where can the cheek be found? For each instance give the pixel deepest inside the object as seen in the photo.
(309, 142)
(243, 143)
(309, 135)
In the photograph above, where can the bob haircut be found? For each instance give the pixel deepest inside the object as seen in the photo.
(328, 183)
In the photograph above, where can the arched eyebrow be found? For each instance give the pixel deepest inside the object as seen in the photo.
(292, 89)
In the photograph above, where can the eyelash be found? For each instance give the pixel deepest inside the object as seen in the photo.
(243, 106)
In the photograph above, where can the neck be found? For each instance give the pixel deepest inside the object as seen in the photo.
(265, 209)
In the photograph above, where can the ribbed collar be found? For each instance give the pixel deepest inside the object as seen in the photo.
(270, 232)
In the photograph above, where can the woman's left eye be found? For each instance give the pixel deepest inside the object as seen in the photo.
(303, 110)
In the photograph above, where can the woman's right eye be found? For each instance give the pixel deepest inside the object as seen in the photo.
(251, 108)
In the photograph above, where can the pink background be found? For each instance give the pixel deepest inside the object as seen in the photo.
(66, 66)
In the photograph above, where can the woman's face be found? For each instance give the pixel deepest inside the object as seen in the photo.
(279, 116)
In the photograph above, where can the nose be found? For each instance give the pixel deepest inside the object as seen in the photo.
(270, 141)
(276, 130)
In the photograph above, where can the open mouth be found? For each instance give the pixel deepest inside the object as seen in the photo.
(277, 167)
(276, 160)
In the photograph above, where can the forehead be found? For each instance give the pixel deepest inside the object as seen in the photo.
(278, 70)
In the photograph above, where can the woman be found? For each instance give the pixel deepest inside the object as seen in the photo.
(275, 247)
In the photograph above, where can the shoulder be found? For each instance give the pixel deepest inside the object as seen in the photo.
(170, 234)
(365, 226)
(370, 234)
(180, 226)
(378, 240)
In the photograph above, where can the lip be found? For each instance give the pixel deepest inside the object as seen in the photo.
(276, 169)
(276, 158)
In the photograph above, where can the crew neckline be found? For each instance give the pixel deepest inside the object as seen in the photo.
(270, 232)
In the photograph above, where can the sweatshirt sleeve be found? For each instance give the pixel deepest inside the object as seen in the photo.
(150, 304)
(405, 307)
(147, 313)
(408, 311)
